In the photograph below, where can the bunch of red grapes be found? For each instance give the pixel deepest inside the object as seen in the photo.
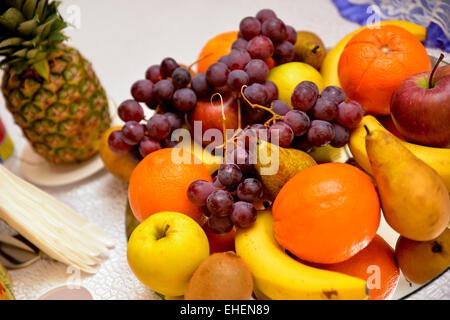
(228, 200)
(316, 120)
(165, 88)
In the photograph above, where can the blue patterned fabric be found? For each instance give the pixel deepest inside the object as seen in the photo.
(432, 14)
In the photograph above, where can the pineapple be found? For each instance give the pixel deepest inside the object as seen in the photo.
(49, 87)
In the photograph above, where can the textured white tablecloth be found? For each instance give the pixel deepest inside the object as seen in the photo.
(122, 39)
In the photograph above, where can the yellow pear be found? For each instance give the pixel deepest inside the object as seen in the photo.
(414, 198)
(276, 165)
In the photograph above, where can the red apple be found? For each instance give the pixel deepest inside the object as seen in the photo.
(420, 107)
(219, 242)
(210, 115)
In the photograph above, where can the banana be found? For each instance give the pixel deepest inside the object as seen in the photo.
(437, 158)
(329, 68)
(278, 276)
(212, 162)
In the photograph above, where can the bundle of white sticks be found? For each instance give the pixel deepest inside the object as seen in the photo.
(50, 225)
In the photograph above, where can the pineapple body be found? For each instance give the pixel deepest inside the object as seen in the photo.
(63, 116)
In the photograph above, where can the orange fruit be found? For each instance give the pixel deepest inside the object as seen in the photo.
(375, 61)
(216, 47)
(375, 264)
(326, 213)
(160, 184)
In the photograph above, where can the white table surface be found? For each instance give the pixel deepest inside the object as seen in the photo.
(121, 39)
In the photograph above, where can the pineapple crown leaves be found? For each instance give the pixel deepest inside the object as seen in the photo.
(30, 30)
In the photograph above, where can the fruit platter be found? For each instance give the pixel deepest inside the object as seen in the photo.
(271, 157)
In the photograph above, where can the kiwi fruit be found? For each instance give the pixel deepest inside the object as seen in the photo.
(221, 276)
(309, 49)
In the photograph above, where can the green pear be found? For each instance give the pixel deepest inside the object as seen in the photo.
(414, 198)
(276, 165)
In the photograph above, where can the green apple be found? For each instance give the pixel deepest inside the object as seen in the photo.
(165, 250)
(287, 76)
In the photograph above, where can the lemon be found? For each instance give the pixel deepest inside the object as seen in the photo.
(287, 76)
(120, 166)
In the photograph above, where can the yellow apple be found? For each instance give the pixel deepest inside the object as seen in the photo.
(165, 250)
(287, 76)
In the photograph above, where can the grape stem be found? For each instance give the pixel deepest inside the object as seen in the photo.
(224, 127)
(275, 116)
(198, 60)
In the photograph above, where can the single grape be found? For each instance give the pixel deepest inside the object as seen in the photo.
(243, 214)
(148, 145)
(341, 136)
(142, 90)
(249, 28)
(302, 143)
(217, 74)
(291, 34)
(158, 127)
(333, 93)
(153, 73)
(257, 70)
(275, 29)
(176, 120)
(325, 109)
(265, 14)
(229, 174)
(133, 132)
(184, 99)
(130, 110)
(236, 79)
(260, 47)
(163, 90)
(280, 108)
(224, 59)
(198, 191)
(272, 90)
(320, 133)
(350, 114)
(254, 115)
(220, 202)
(283, 132)
(242, 159)
(238, 59)
(181, 77)
(240, 43)
(220, 225)
(117, 144)
(250, 190)
(200, 85)
(284, 52)
(304, 96)
(167, 67)
(256, 94)
(298, 121)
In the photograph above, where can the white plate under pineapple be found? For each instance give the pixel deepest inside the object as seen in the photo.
(43, 173)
